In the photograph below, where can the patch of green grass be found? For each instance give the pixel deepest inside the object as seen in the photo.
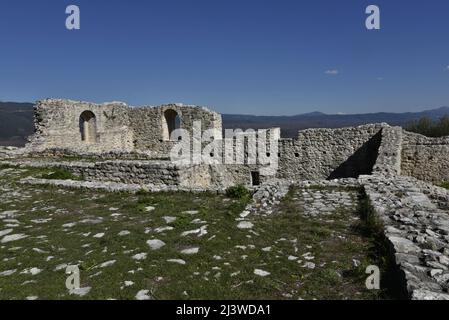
(69, 245)
(4, 166)
(60, 174)
(338, 245)
(370, 224)
(380, 252)
(445, 184)
(334, 243)
(222, 269)
(330, 277)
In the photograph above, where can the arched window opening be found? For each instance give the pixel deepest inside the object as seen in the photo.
(88, 127)
(171, 121)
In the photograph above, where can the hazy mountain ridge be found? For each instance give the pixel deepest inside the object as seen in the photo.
(16, 121)
(291, 124)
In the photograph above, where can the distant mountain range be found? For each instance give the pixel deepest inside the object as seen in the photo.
(16, 121)
(291, 124)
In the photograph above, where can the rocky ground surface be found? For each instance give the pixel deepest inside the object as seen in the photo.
(325, 202)
(416, 222)
(180, 245)
(414, 217)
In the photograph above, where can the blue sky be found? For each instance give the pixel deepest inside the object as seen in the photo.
(237, 56)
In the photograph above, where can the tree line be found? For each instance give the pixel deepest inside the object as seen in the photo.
(430, 128)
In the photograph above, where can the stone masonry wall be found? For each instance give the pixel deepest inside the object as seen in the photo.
(153, 174)
(57, 124)
(329, 153)
(117, 127)
(147, 124)
(425, 158)
(133, 172)
(388, 162)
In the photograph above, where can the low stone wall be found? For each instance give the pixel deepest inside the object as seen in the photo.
(425, 158)
(150, 173)
(133, 172)
(164, 173)
(156, 173)
(417, 230)
(113, 186)
(224, 176)
(61, 153)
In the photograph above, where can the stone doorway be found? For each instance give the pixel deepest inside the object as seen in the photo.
(255, 178)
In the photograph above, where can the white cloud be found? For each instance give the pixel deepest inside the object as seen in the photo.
(447, 68)
(380, 78)
(332, 72)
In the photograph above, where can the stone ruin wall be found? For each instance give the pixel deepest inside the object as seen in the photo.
(314, 154)
(329, 153)
(57, 125)
(148, 125)
(388, 162)
(118, 127)
(340, 155)
(369, 149)
(425, 158)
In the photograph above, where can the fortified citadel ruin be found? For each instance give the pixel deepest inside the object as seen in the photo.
(120, 148)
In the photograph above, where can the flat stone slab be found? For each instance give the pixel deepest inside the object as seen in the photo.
(155, 244)
(245, 225)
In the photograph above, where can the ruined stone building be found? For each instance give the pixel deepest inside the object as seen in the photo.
(114, 127)
(132, 145)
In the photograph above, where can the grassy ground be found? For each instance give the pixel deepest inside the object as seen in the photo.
(61, 224)
(445, 184)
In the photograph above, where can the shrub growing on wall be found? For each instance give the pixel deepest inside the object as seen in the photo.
(237, 192)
